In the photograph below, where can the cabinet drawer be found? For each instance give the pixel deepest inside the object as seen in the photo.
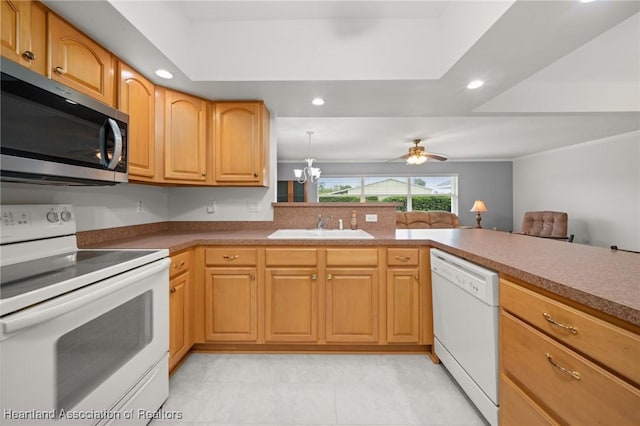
(234, 256)
(402, 257)
(516, 408)
(180, 263)
(617, 348)
(352, 257)
(291, 256)
(577, 390)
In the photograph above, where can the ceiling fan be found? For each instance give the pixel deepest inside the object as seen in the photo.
(417, 154)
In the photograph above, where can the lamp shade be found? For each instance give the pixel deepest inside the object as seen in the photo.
(478, 206)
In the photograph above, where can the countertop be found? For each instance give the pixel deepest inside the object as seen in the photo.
(606, 280)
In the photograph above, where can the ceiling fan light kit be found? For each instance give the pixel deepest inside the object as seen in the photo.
(417, 155)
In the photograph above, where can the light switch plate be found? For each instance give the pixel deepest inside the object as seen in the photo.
(211, 206)
(371, 218)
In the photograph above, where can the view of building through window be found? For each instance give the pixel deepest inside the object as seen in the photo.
(412, 193)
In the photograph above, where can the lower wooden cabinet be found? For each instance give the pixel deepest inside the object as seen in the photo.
(291, 305)
(550, 372)
(180, 308)
(403, 305)
(231, 304)
(352, 306)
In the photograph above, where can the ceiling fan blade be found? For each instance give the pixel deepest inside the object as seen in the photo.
(439, 157)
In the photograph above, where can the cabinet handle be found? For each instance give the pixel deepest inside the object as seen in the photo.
(173, 290)
(569, 328)
(59, 70)
(179, 266)
(573, 374)
(403, 258)
(29, 55)
(329, 277)
(314, 277)
(234, 257)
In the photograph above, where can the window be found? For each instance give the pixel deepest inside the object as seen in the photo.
(436, 192)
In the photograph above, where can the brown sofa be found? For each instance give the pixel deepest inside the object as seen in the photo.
(426, 220)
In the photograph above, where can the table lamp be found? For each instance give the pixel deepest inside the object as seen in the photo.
(478, 206)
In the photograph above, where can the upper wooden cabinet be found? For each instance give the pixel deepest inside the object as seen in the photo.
(241, 144)
(24, 33)
(136, 97)
(79, 62)
(185, 138)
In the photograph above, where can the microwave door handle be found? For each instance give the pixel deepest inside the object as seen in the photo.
(117, 148)
(39, 315)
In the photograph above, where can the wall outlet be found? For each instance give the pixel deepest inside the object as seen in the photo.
(211, 206)
(253, 206)
(140, 207)
(371, 218)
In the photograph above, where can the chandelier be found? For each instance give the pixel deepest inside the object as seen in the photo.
(309, 173)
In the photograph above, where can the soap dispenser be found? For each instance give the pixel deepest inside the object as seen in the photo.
(354, 220)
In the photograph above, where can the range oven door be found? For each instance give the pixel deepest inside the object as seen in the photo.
(75, 358)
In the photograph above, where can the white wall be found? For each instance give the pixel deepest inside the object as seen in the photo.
(596, 183)
(96, 207)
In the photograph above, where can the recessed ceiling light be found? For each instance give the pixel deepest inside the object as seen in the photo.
(164, 74)
(475, 84)
(317, 101)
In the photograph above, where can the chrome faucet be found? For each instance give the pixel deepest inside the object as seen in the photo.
(323, 221)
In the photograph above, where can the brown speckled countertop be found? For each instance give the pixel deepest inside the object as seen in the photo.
(600, 278)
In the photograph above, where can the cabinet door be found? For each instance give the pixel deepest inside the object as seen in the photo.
(179, 324)
(352, 305)
(239, 154)
(16, 19)
(79, 62)
(291, 305)
(136, 97)
(403, 305)
(185, 142)
(231, 304)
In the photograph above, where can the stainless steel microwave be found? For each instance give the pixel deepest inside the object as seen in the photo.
(52, 134)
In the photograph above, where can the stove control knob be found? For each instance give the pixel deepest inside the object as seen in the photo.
(52, 216)
(65, 215)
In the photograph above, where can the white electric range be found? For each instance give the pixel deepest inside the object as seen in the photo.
(83, 333)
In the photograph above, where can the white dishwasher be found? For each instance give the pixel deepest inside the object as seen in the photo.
(465, 315)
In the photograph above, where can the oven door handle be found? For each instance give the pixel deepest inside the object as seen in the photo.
(83, 297)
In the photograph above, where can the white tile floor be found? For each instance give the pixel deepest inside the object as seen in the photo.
(316, 390)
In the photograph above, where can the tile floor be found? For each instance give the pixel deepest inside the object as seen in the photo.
(240, 389)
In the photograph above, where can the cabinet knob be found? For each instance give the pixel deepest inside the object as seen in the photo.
(173, 290)
(329, 276)
(255, 174)
(203, 173)
(252, 276)
(314, 277)
(59, 70)
(28, 55)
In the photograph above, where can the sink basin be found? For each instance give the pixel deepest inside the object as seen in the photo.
(320, 234)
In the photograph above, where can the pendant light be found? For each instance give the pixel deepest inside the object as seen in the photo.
(309, 173)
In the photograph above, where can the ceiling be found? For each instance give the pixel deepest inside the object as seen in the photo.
(556, 73)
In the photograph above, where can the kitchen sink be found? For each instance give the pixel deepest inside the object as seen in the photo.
(320, 234)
